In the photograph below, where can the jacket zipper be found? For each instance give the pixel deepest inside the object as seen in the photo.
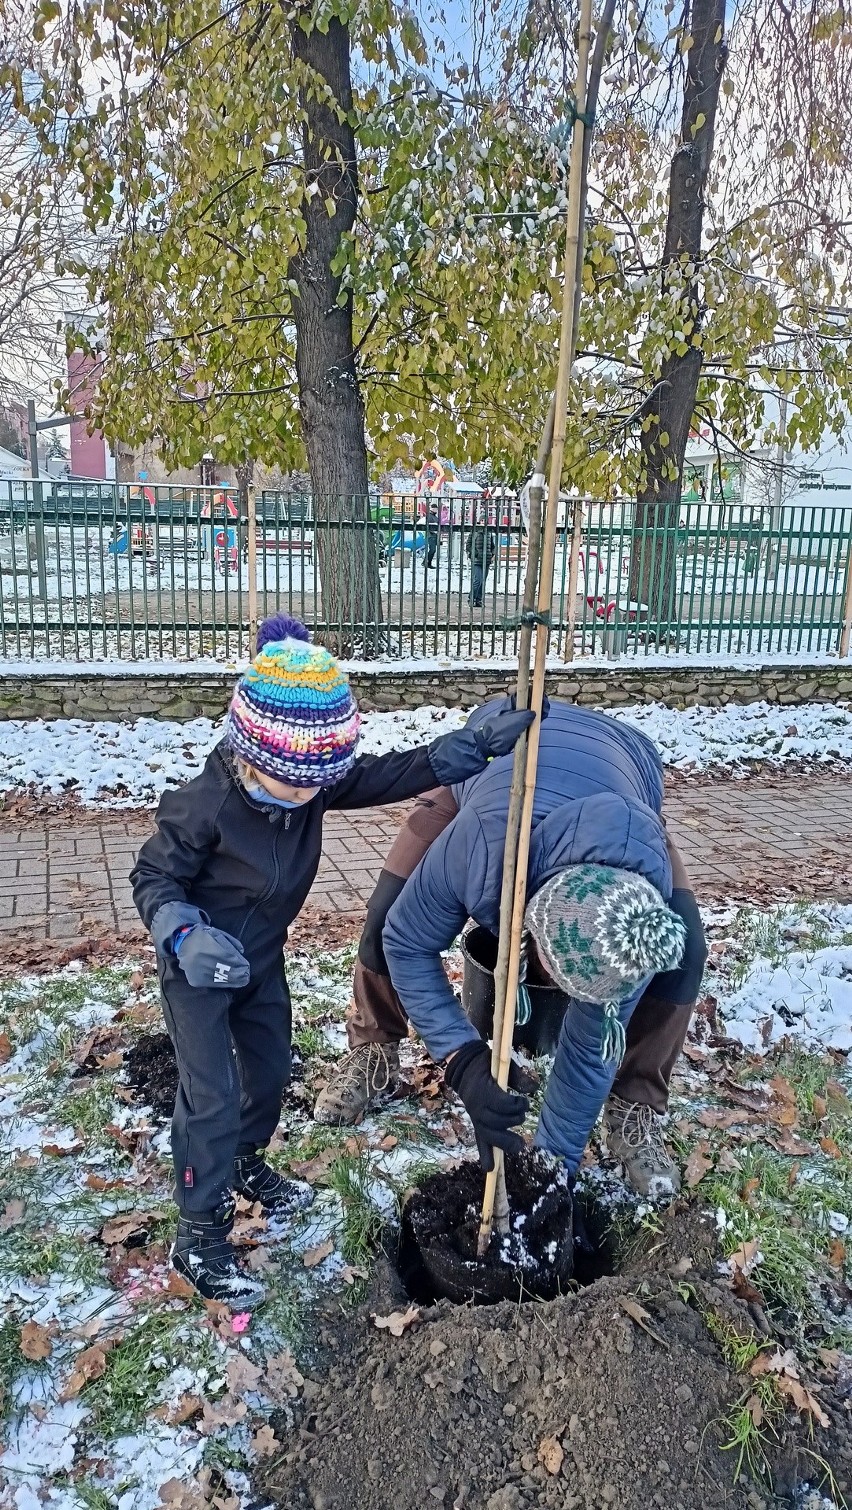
(272, 887)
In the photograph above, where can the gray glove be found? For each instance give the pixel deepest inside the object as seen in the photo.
(210, 958)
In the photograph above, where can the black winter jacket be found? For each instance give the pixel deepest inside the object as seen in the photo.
(248, 866)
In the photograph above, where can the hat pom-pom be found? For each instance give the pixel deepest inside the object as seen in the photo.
(281, 627)
(647, 940)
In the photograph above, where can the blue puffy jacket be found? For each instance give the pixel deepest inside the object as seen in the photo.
(599, 792)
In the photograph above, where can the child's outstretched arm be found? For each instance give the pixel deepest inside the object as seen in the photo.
(169, 861)
(378, 779)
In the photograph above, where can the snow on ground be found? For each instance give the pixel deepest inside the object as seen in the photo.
(788, 977)
(104, 1370)
(180, 1392)
(132, 763)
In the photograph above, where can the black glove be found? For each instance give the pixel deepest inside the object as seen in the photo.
(210, 958)
(492, 1111)
(457, 757)
(500, 734)
(545, 705)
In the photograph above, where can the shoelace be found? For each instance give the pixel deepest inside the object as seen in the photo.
(351, 1074)
(640, 1126)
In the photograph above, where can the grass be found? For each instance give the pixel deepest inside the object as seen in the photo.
(773, 932)
(282, 1319)
(89, 1111)
(310, 1040)
(11, 1359)
(30, 1007)
(122, 1398)
(750, 1423)
(350, 1178)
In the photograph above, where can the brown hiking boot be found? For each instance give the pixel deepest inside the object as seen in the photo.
(634, 1135)
(363, 1076)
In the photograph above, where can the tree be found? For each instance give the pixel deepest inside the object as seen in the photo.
(36, 217)
(717, 270)
(259, 292)
(10, 436)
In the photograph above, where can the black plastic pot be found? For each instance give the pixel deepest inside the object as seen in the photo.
(540, 1034)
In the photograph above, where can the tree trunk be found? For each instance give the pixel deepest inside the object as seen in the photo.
(332, 411)
(668, 411)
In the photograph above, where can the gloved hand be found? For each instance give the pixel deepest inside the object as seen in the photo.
(492, 1111)
(456, 757)
(210, 958)
(500, 734)
(545, 705)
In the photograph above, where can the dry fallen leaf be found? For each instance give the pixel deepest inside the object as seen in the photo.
(697, 1165)
(180, 1494)
(745, 1257)
(180, 1287)
(803, 1399)
(242, 1374)
(265, 1443)
(225, 1412)
(749, 1189)
(637, 1313)
(349, 1273)
(282, 1380)
(786, 1368)
(179, 1411)
(755, 1409)
(90, 1364)
(838, 1099)
(836, 1253)
(820, 1107)
(833, 1149)
(137, 981)
(313, 1170)
(65, 1151)
(398, 1321)
(313, 1256)
(35, 1342)
(721, 1116)
(388, 1142)
(120, 1228)
(784, 1109)
(13, 1215)
(550, 1454)
(6, 1049)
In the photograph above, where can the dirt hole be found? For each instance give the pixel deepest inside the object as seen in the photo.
(554, 1243)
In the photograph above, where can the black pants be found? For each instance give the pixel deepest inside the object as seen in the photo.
(233, 1055)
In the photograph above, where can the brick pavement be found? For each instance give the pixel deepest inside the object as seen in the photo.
(64, 875)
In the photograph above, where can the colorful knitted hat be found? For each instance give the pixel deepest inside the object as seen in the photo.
(292, 715)
(600, 931)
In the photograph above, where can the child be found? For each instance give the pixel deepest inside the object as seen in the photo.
(233, 859)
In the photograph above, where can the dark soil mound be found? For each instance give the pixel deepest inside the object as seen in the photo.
(441, 1229)
(615, 1396)
(569, 1405)
(153, 1075)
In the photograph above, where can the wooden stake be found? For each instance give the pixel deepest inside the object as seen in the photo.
(251, 557)
(573, 577)
(518, 829)
(846, 633)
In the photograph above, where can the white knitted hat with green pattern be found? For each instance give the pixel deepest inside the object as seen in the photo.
(600, 931)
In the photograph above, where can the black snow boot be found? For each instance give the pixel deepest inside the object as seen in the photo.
(255, 1180)
(203, 1256)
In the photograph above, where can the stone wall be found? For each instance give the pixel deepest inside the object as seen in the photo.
(206, 694)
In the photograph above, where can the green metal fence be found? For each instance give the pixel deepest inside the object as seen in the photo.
(94, 571)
